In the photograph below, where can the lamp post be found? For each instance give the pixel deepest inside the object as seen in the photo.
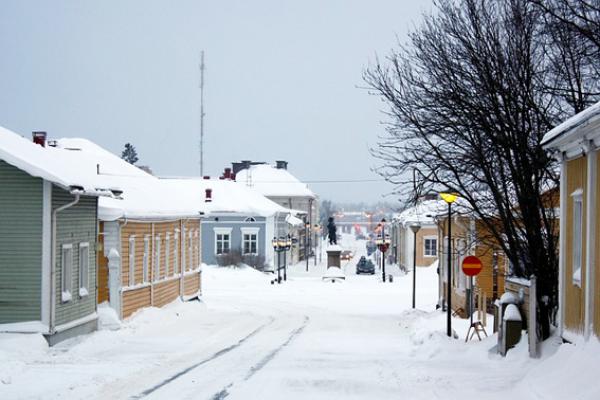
(383, 242)
(287, 245)
(275, 243)
(306, 242)
(449, 198)
(415, 228)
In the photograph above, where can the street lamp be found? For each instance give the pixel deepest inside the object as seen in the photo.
(449, 198)
(383, 242)
(415, 228)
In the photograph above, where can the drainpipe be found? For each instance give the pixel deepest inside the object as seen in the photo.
(53, 266)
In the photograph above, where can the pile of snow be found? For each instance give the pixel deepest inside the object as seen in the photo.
(107, 317)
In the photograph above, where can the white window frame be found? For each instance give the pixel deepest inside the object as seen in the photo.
(146, 259)
(190, 250)
(184, 255)
(167, 252)
(197, 247)
(176, 261)
(66, 272)
(435, 249)
(577, 236)
(157, 257)
(250, 231)
(84, 269)
(222, 231)
(132, 260)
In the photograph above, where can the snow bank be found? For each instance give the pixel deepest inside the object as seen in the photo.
(512, 313)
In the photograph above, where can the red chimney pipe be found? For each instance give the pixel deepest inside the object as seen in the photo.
(39, 138)
(208, 196)
(227, 173)
(206, 177)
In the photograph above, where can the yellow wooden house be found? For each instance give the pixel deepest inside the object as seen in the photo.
(576, 143)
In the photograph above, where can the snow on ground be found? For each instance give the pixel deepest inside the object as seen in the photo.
(249, 339)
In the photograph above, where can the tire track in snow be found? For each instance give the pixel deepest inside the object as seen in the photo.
(209, 359)
(261, 364)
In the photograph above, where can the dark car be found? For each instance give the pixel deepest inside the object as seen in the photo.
(346, 255)
(365, 266)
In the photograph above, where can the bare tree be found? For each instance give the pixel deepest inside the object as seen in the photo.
(572, 45)
(468, 108)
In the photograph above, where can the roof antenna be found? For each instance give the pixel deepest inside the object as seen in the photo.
(202, 113)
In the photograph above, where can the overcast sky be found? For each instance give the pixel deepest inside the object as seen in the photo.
(281, 81)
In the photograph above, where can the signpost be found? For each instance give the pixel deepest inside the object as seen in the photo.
(471, 267)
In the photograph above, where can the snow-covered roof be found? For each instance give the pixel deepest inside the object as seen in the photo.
(148, 197)
(55, 165)
(584, 117)
(423, 213)
(273, 182)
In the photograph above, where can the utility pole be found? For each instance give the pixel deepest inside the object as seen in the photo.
(202, 113)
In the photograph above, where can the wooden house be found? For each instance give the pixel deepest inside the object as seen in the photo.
(576, 143)
(278, 184)
(241, 220)
(48, 230)
(403, 238)
(149, 241)
(469, 237)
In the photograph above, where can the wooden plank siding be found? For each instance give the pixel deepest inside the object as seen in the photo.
(576, 171)
(134, 300)
(191, 284)
(596, 266)
(164, 280)
(20, 245)
(166, 291)
(75, 225)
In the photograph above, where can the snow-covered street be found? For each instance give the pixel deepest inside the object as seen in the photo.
(302, 339)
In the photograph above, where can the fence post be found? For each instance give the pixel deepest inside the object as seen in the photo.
(484, 301)
(532, 323)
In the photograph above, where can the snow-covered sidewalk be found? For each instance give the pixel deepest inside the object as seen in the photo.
(302, 339)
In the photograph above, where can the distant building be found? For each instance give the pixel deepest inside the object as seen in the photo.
(277, 184)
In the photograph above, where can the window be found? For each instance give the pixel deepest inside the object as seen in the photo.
(176, 252)
(167, 252)
(157, 257)
(577, 235)
(66, 273)
(84, 269)
(145, 258)
(197, 248)
(131, 260)
(430, 244)
(249, 241)
(222, 242)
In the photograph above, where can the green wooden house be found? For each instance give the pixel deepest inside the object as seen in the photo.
(48, 231)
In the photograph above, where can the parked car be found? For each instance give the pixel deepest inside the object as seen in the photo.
(365, 266)
(346, 255)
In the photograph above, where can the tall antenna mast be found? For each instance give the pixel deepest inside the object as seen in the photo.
(202, 113)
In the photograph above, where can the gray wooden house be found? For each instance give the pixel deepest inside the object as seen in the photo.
(48, 231)
(240, 219)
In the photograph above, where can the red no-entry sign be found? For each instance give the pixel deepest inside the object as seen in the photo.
(471, 266)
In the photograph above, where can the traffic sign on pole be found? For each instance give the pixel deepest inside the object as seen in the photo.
(471, 266)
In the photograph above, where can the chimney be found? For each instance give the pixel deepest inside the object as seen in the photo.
(208, 196)
(206, 177)
(39, 138)
(227, 173)
(281, 164)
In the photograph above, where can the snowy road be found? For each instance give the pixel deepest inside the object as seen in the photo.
(302, 339)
